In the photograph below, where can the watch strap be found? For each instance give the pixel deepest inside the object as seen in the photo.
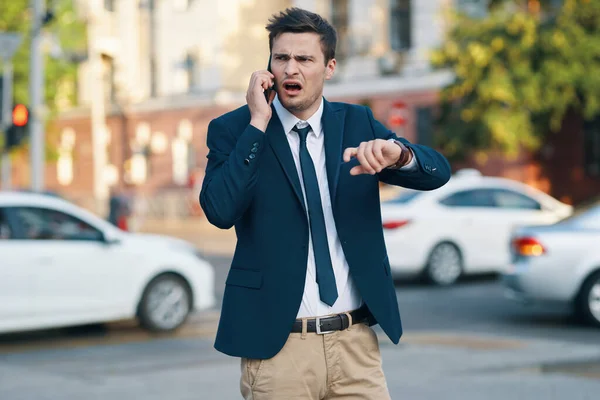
(404, 156)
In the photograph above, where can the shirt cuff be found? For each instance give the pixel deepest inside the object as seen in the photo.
(412, 165)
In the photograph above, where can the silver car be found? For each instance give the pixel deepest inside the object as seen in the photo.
(558, 264)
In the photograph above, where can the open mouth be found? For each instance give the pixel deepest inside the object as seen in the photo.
(292, 88)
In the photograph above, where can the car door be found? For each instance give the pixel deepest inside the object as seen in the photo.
(471, 223)
(16, 281)
(73, 274)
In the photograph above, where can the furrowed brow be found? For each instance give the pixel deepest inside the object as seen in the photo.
(304, 57)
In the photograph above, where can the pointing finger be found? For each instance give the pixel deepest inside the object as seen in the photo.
(358, 170)
(349, 153)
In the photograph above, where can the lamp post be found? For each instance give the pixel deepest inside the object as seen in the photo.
(97, 103)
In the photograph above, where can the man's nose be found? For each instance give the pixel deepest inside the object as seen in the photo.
(291, 68)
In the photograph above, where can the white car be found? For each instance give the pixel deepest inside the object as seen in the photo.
(61, 265)
(558, 265)
(462, 227)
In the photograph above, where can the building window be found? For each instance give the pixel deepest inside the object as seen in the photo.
(191, 67)
(153, 78)
(591, 136)
(340, 20)
(109, 5)
(64, 165)
(152, 37)
(108, 77)
(137, 168)
(180, 164)
(185, 130)
(400, 25)
(183, 153)
(186, 75)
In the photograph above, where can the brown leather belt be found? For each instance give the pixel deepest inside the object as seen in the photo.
(332, 323)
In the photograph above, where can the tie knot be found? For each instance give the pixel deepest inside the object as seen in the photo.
(302, 132)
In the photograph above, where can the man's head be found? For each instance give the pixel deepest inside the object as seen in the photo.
(302, 47)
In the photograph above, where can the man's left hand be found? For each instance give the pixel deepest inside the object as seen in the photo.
(373, 156)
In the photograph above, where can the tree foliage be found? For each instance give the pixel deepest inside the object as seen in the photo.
(517, 72)
(64, 40)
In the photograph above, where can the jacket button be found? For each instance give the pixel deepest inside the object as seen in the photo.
(254, 150)
(247, 162)
(252, 156)
(255, 144)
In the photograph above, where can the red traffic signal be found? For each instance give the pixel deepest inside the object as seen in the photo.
(20, 115)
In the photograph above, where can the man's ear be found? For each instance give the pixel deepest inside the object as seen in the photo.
(330, 68)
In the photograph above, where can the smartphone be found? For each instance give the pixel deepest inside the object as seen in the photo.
(269, 90)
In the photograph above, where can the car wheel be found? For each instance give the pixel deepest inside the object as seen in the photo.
(166, 304)
(589, 300)
(444, 265)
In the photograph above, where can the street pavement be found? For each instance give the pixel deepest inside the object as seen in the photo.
(434, 366)
(464, 342)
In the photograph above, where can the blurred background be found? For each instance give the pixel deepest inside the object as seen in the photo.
(127, 88)
(105, 109)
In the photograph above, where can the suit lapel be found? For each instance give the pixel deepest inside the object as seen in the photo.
(281, 148)
(333, 128)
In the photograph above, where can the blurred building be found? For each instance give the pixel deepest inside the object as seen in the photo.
(160, 70)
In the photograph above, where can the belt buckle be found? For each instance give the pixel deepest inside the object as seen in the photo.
(318, 327)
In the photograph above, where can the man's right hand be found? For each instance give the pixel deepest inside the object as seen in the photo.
(260, 109)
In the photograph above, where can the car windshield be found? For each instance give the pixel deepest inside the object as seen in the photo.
(404, 197)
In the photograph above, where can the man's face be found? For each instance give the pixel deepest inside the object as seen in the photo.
(298, 64)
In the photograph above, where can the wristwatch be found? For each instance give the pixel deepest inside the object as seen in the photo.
(404, 156)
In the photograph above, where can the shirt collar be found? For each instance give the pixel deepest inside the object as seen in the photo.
(289, 120)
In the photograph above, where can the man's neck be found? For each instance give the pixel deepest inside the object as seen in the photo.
(304, 115)
(288, 119)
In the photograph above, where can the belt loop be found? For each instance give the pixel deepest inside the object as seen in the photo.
(349, 320)
(304, 328)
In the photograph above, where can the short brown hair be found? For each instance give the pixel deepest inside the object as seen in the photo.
(297, 20)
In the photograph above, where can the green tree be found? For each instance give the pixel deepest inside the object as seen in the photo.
(64, 41)
(517, 73)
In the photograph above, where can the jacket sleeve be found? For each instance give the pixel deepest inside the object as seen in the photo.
(433, 170)
(231, 172)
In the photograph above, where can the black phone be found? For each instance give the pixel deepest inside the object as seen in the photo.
(269, 90)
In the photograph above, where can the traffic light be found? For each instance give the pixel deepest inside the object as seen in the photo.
(17, 131)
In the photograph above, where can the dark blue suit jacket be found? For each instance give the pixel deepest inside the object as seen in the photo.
(251, 183)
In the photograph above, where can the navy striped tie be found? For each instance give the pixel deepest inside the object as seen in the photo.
(325, 276)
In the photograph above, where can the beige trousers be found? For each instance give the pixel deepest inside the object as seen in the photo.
(338, 365)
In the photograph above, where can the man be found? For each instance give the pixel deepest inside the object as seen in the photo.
(299, 179)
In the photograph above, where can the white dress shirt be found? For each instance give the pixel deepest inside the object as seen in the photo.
(348, 296)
